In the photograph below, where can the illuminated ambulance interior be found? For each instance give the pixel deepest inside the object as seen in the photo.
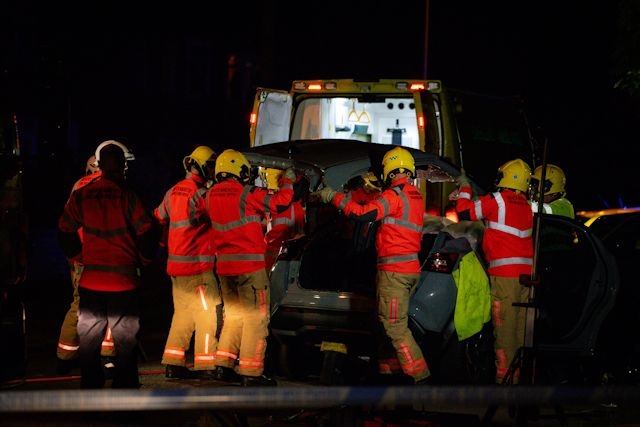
(390, 121)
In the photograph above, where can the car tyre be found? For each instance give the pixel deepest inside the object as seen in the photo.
(294, 361)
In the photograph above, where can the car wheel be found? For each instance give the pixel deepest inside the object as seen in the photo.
(333, 368)
(470, 361)
(295, 361)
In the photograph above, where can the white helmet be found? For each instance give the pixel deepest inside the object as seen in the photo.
(128, 155)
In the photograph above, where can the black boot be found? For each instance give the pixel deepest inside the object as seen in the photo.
(178, 372)
(64, 367)
(207, 374)
(108, 366)
(260, 380)
(227, 374)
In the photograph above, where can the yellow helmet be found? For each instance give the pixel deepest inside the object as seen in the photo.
(554, 180)
(397, 160)
(232, 163)
(514, 174)
(372, 182)
(202, 159)
(270, 177)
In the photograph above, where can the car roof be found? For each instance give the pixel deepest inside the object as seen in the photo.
(604, 223)
(336, 160)
(589, 217)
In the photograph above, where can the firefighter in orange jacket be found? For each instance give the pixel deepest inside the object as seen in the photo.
(368, 188)
(68, 341)
(508, 249)
(196, 295)
(237, 209)
(400, 208)
(118, 237)
(288, 223)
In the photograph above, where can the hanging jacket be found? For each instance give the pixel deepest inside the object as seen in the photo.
(118, 234)
(400, 208)
(184, 209)
(473, 300)
(507, 243)
(236, 213)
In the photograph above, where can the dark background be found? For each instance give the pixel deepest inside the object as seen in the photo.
(162, 78)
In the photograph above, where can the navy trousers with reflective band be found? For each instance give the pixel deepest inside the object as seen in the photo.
(119, 310)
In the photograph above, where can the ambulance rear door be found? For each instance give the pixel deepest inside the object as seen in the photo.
(271, 117)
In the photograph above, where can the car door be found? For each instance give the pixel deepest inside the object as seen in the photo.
(578, 286)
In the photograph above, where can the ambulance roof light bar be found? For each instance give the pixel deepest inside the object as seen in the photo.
(314, 86)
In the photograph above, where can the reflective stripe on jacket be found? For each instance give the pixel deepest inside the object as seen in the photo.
(189, 246)
(507, 243)
(561, 206)
(87, 179)
(112, 217)
(236, 213)
(401, 211)
(286, 224)
(283, 226)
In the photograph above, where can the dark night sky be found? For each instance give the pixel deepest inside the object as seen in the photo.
(155, 77)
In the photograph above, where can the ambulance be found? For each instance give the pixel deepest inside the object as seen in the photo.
(421, 114)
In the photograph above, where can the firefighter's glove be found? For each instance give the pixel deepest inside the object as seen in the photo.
(326, 195)
(463, 180)
(290, 174)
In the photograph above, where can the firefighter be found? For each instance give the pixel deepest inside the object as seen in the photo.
(68, 341)
(367, 188)
(362, 189)
(196, 293)
(400, 208)
(288, 223)
(554, 200)
(237, 209)
(119, 237)
(508, 249)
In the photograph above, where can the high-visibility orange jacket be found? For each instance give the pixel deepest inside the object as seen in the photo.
(86, 180)
(117, 234)
(79, 184)
(285, 225)
(359, 195)
(401, 211)
(507, 243)
(236, 213)
(183, 208)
